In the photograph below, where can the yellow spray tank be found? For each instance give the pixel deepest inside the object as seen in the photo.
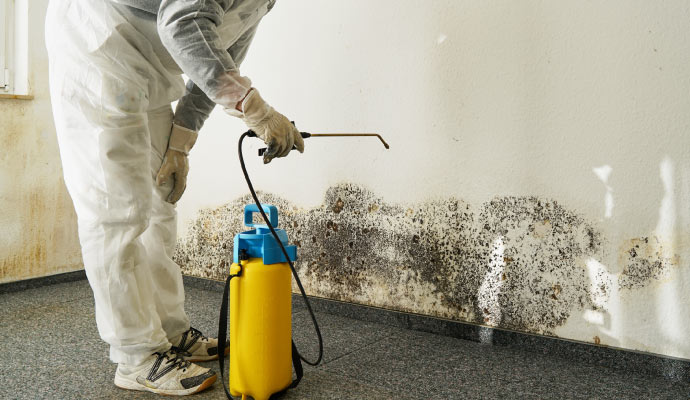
(261, 352)
(261, 331)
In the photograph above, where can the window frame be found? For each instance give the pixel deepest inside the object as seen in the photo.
(6, 45)
(3, 34)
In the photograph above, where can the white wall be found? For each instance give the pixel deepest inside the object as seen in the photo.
(579, 105)
(39, 233)
(585, 103)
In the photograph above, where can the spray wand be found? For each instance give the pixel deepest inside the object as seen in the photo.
(306, 135)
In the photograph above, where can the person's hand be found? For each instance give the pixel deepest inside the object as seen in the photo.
(272, 127)
(175, 163)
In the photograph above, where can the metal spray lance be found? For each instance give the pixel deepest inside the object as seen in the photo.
(306, 135)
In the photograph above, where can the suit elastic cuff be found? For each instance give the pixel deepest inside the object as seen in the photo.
(182, 139)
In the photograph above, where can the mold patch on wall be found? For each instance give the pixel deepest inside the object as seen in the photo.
(518, 262)
(645, 260)
(543, 247)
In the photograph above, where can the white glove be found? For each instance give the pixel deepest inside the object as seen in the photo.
(272, 127)
(175, 163)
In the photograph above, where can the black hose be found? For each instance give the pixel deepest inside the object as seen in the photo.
(285, 253)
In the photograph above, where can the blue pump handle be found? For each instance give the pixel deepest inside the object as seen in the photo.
(269, 209)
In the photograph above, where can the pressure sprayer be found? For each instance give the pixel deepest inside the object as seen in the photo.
(259, 290)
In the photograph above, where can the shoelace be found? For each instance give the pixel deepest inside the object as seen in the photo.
(197, 333)
(189, 338)
(174, 357)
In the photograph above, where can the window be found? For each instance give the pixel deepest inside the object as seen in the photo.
(14, 46)
(6, 45)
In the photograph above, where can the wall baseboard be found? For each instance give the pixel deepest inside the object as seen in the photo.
(32, 283)
(674, 369)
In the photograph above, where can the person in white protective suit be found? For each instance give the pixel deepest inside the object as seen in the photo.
(115, 68)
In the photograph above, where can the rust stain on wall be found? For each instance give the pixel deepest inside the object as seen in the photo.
(516, 262)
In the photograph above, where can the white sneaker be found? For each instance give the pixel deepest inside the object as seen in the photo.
(196, 347)
(165, 373)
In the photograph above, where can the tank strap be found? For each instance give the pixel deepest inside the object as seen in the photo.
(297, 364)
(223, 334)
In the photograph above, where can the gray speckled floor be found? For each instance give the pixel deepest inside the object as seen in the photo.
(50, 349)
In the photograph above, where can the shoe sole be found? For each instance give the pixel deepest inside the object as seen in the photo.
(206, 358)
(133, 385)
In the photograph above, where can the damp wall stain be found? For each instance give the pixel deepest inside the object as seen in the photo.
(515, 262)
(39, 228)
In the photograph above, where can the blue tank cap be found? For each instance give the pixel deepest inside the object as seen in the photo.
(259, 242)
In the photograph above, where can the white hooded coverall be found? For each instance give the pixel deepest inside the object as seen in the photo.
(114, 70)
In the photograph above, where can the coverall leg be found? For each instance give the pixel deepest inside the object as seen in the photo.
(111, 100)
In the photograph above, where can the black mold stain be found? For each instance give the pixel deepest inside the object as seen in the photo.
(206, 251)
(544, 247)
(645, 261)
(516, 264)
